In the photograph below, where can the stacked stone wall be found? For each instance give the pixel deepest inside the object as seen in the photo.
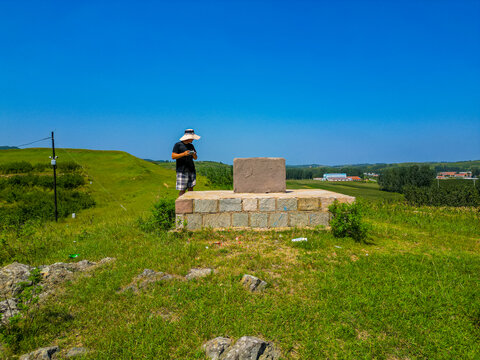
(266, 212)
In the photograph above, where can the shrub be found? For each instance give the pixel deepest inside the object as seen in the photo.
(162, 216)
(16, 167)
(347, 221)
(70, 181)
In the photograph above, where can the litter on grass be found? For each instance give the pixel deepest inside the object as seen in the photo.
(73, 256)
(338, 247)
(299, 239)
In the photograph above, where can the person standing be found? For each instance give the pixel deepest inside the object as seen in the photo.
(184, 153)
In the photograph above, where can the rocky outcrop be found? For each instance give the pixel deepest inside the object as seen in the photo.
(53, 352)
(196, 273)
(56, 274)
(13, 275)
(10, 278)
(146, 278)
(253, 283)
(246, 348)
(46, 353)
(215, 348)
(8, 308)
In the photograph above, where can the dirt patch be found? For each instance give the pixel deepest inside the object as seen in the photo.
(362, 335)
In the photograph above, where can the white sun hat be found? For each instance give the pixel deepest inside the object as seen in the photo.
(189, 134)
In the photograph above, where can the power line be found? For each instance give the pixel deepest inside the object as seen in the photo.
(33, 142)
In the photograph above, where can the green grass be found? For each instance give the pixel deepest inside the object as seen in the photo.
(412, 292)
(368, 191)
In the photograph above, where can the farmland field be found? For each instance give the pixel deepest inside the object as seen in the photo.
(368, 191)
(412, 291)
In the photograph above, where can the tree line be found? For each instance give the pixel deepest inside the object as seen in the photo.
(419, 187)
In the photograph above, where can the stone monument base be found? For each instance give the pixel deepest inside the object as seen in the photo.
(225, 209)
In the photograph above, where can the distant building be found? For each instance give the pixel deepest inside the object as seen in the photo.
(454, 175)
(335, 177)
(338, 177)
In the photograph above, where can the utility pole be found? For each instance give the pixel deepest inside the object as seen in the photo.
(54, 164)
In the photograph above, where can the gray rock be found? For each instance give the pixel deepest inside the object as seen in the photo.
(10, 276)
(198, 273)
(76, 351)
(55, 274)
(84, 265)
(251, 348)
(271, 353)
(8, 308)
(52, 276)
(216, 347)
(253, 283)
(146, 278)
(46, 353)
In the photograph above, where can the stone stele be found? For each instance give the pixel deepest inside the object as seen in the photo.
(259, 175)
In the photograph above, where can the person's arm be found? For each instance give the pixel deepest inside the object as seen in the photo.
(176, 156)
(195, 155)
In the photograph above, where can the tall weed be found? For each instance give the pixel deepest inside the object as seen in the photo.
(347, 221)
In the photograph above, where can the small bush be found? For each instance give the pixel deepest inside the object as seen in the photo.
(347, 221)
(162, 216)
(16, 167)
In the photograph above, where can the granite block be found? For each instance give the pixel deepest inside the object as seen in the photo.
(308, 204)
(288, 204)
(219, 220)
(240, 219)
(205, 206)
(277, 220)
(194, 221)
(267, 204)
(258, 220)
(230, 205)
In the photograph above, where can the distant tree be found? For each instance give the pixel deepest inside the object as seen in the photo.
(396, 178)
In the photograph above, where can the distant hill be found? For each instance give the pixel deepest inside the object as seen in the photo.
(351, 169)
(8, 147)
(463, 164)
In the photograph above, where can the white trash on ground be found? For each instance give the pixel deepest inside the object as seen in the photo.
(299, 239)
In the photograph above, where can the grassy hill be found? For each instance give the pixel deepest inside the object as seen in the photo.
(411, 292)
(118, 178)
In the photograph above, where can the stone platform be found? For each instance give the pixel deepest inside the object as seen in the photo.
(227, 209)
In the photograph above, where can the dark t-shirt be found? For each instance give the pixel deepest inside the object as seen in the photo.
(185, 163)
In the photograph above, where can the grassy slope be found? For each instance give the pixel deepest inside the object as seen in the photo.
(118, 178)
(411, 293)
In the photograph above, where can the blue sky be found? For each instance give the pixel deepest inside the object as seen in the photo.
(327, 82)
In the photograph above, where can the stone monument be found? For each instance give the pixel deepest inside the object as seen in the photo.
(259, 175)
(259, 201)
